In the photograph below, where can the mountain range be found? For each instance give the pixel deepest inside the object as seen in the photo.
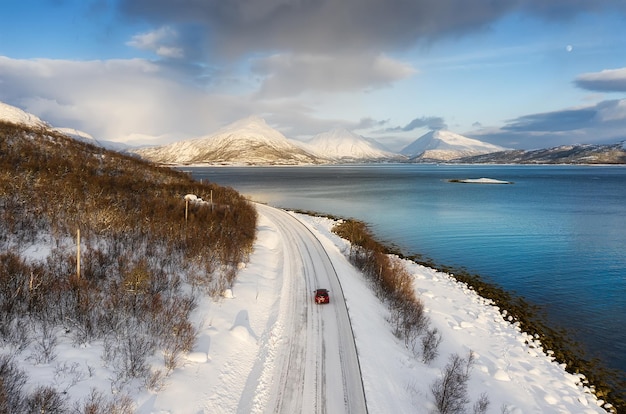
(564, 154)
(251, 141)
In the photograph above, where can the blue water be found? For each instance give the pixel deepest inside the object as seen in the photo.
(557, 236)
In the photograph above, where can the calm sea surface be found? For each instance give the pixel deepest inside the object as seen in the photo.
(557, 236)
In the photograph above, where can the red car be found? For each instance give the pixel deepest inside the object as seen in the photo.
(321, 296)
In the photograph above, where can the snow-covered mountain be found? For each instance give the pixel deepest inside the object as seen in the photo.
(248, 141)
(15, 115)
(442, 145)
(341, 144)
(564, 154)
(85, 137)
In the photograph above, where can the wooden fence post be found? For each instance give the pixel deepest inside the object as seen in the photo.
(78, 254)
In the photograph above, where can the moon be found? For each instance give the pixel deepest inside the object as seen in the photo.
(569, 48)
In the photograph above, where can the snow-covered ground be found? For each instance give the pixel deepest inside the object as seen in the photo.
(243, 337)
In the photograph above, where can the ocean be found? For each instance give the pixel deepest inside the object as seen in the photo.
(556, 236)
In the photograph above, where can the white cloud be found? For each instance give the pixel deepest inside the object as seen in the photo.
(161, 41)
(292, 74)
(115, 99)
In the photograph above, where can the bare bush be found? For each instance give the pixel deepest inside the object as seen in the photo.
(16, 333)
(97, 403)
(127, 352)
(14, 276)
(481, 405)
(450, 391)
(155, 381)
(180, 340)
(46, 399)
(12, 381)
(45, 345)
(68, 374)
(430, 345)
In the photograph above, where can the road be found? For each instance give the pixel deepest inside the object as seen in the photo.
(316, 369)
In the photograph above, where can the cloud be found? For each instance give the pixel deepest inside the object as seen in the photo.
(563, 120)
(590, 117)
(610, 80)
(117, 99)
(292, 74)
(369, 123)
(238, 27)
(161, 41)
(430, 122)
(143, 102)
(603, 122)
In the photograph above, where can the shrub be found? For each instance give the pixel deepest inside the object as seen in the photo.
(46, 399)
(12, 380)
(450, 391)
(430, 345)
(97, 403)
(391, 282)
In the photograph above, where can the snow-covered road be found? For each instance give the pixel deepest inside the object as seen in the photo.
(317, 369)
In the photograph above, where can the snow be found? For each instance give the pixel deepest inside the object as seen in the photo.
(247, 141)
(17, 116)
(446, 145)
(341, 143)
(242, 337)
(481, 181)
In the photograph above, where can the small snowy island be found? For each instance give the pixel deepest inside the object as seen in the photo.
(478, 181)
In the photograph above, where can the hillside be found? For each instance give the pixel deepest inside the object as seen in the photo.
(144, 254)
(15, 115)
(570, 154)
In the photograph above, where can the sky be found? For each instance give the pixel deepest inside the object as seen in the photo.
(517, 73)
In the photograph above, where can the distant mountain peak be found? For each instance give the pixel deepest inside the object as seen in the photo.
(339, 143)
(446, 145)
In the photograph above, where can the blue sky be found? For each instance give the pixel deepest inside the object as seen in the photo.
(518, 73)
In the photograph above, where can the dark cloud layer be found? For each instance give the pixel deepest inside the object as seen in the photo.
(565, 120)
(612, 80)
(604, 122)
(235, 27)
(430, 122)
